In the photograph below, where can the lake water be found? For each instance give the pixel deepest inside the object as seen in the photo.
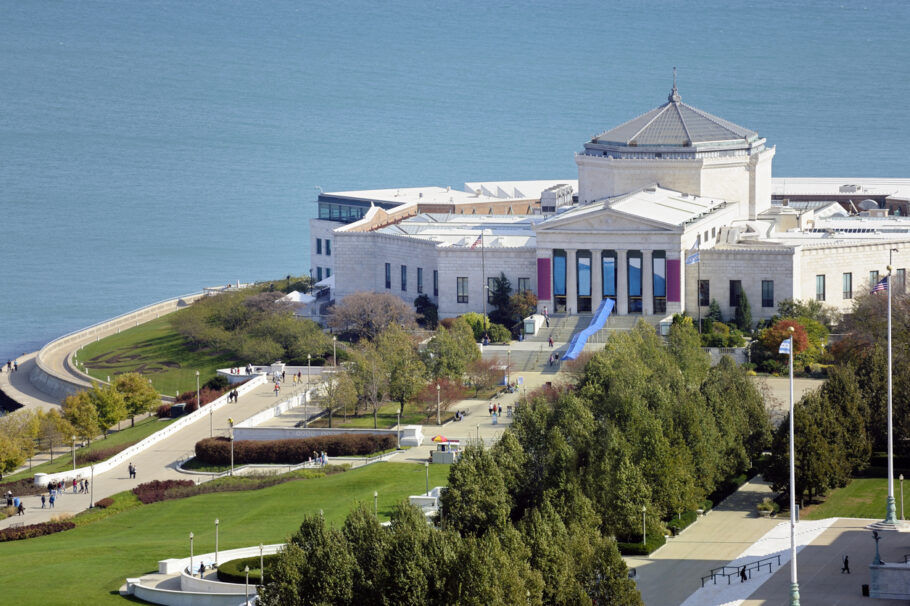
(153, 148)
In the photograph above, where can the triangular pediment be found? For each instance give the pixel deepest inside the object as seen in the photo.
(602, 219)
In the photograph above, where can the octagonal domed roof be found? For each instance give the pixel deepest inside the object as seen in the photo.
(675, 124)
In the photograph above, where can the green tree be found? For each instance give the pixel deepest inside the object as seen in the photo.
(500, 294)
(450, 351)
(810, 308)
(403, 367)
(743, 315)
(427, 312)
(139, 396)
(367, 541)
(80, 411)
(52, 429)
(368, 372)
(476, 500)
(478, 322)
(109, 404)
(522, 304)
(339, 392)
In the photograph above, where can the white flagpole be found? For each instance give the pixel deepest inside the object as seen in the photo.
(794, 584)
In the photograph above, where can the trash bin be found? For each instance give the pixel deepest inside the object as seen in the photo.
(865, 591)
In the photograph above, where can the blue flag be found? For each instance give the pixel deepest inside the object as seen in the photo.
(785, 346)
(692, 259)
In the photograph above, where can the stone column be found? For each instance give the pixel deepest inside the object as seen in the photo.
(647, 283)
(571, 281)
(597, 278)
(622, 282)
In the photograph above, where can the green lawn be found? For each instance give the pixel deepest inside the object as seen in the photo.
(155, 350)
(88, 564)
(861, 498)
(128, 435)
(387, 417)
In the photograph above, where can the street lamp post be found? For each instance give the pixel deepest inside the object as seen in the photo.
(398, 428)
(246, 586)
(901, 477)
(231, 423)
(191, 553)
(438, 422)
(74, 453)
(261, 566)
(644, 527)
(427, 465)
(197, 390)
(794, 582)
(890, 514)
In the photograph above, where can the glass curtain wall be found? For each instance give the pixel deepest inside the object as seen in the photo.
(634, 281)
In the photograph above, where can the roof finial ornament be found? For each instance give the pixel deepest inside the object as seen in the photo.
(674, 94)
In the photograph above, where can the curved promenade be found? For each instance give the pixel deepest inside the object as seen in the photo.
(54, 372)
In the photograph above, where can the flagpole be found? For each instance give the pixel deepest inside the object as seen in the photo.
(794, 583)
(698, 294)
(891, 512)
(483, 282)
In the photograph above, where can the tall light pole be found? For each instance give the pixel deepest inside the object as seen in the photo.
(644, 525)
(334, 353)
(197, 390)
(216, 542)
(438, 422)
(74, 454)
(398, 428)
(902, 495)
(191, 553)
(794, 582)
(231, 423)
(890, 513)
(246, 586)
(427, 465)
(261, 566)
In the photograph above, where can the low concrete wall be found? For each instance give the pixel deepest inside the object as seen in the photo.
(42, 479)
(171, 597)
(890, 581)
(175, 565)
(59, 385)
(289, 433)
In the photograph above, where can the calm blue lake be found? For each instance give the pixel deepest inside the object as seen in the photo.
(153, 148)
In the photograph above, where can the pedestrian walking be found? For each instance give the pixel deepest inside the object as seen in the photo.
(53, 499)
(15, 366)
(490, 408)
(846, 567)
(277, 389)
(550, 340)
(21, 510)
(742, 575)
(547, 320)
(43, 501)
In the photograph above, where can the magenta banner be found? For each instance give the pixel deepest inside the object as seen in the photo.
(543, 279)
(673, 280)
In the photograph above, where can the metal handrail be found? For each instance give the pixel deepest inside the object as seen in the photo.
(722, 571)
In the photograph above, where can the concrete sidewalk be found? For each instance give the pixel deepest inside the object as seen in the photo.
(156, 463)
(18, 386)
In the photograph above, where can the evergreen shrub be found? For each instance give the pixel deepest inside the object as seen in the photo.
(35, 530)
(217, 451)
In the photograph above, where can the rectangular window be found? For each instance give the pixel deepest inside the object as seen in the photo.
(419, 280)
(328, 247)
(524, 284)
(318, 274)
(435, 283)
(767, 293)
(873, 278)
(820, 287)
(388, 275)
(462, 289)
(608, 268)
(659, 281)
(900, 281)
(848, 285)
(736, 289)
(704, 293)
(714, 233)
(634, 260)
(491, 284)
(328, 272)
(404, 278)
(318, 246)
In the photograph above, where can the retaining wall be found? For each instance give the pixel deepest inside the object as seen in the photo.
(57, 384)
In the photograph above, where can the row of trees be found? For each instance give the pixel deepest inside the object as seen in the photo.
(252, 325)
(540, 561)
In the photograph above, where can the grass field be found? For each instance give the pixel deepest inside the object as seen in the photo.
(861, 498)
(386, 418)
(87, 565)
(127, 435)
(155, 350)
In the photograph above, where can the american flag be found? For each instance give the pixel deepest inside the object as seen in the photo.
(477, 241)
(881, 285)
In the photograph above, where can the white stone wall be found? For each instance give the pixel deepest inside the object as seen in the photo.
(515, 263)
(600, 178)
(322, 230)
(833, 262)
(750, 266)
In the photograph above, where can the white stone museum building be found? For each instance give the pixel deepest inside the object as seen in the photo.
(674, 184)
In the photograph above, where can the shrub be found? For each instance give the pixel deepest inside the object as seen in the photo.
(768, 504)
(101, 454)
(154, 491)
(206, 395)
(217, 451)
(105, 503)
(35, 530)
(164, 411)
(219, 383)
(652, 543)
(499, 333)
(232, 571)
(676, 525)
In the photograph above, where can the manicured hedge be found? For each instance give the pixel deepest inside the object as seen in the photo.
(105, 503)
(232, 571)
(102, 454)
(654, 541)
(20, 488)
(217, 451)
(676, 525)
(154, 491)
(35, 530)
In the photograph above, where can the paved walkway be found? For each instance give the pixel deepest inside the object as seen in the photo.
(156, 463)
(18, 387)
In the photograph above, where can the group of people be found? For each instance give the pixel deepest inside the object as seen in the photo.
(322, 458)
(12, 366)
(233, 395)
(16, 502)
(554, 358)
(132, 470)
